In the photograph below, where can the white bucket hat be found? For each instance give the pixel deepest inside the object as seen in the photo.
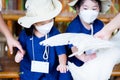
(39, 10)
(106, 4)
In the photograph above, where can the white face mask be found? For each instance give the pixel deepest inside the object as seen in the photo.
(88, 15)
(44, 29)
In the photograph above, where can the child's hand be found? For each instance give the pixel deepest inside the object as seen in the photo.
(19, 56)
(62, 68)
(89, 57)
(74, 49)
(86, 57)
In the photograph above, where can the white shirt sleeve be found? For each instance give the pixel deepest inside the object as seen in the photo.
(0, 5)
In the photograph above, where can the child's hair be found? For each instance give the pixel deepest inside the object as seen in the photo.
(29, 31)
(80, 2)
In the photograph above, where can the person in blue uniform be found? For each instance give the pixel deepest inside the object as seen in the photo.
(86, 22)
(41, 62)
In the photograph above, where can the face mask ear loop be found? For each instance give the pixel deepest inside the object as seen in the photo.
(46, 52)
(33, 46)
(92, 32)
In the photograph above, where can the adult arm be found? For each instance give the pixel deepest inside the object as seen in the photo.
(10, 40)
(106, 32)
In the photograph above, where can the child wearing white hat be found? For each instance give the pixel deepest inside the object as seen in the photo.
(86, 22)
(41, 62)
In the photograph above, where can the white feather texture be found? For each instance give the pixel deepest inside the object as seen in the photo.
(100, 68)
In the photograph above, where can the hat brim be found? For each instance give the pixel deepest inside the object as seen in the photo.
(105, 5)
(72, 3)
(28, 21)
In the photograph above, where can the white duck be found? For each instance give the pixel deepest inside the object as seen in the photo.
(100, 68)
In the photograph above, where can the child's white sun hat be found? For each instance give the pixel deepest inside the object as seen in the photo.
(39, 10)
